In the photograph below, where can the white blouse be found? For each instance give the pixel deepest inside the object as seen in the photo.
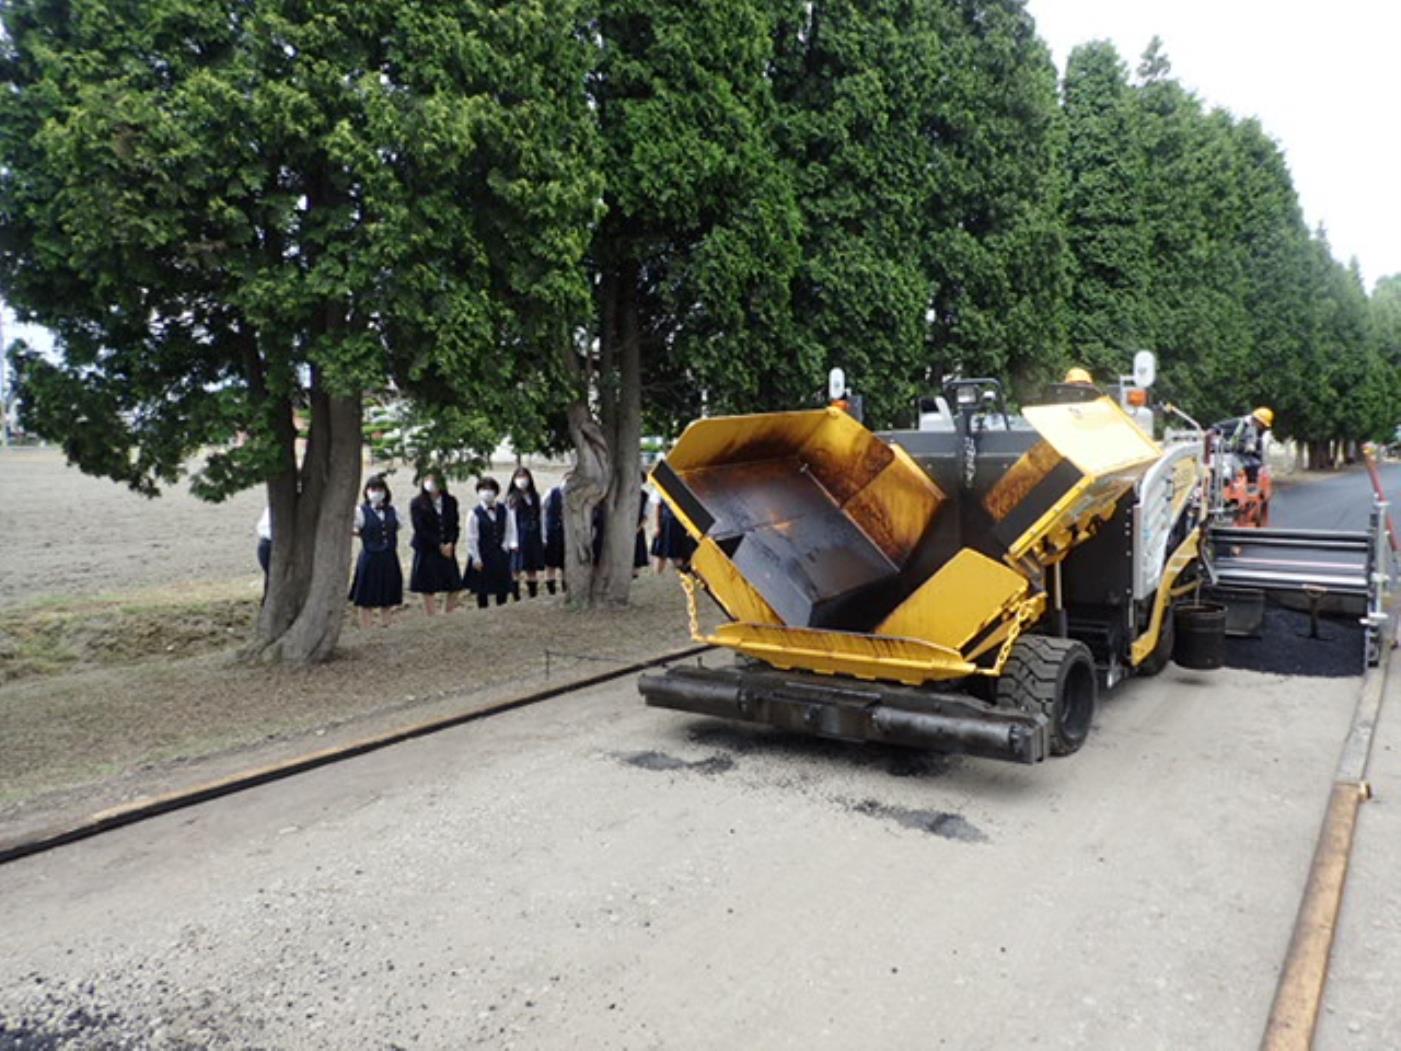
(474, 549)
(360, 516)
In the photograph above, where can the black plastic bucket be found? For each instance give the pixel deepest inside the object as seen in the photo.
(1200, 636)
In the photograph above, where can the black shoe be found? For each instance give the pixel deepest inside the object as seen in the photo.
(532, 588)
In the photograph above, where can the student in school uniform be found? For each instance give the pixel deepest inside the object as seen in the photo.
(379, 579)
(529, 557)
(596, 524)
(491, 537)
(436, 525)
(265, 545)
(670, 543)
(639, 546)
(554, 539)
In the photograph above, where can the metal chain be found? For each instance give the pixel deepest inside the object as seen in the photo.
(1022, 615)
(688, 585)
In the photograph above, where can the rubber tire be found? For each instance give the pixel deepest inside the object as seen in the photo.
(1162, 652)
(1057, 678)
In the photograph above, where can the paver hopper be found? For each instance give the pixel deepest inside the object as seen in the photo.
(923, 586)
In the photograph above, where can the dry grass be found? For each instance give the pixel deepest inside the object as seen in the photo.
(131, 685)
(53, 634)
(120, 618)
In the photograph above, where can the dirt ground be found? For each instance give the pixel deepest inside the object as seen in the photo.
(592, 873)
(120, 618)
(119, 633)
(69, 729)
(70, 535)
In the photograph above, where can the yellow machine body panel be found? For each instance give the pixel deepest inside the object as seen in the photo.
(910, 661)
(874, 482)
(833, 550)
(1089, 455)
(958, 603)
(1098, 436)
(798, 514)
(1186, 552)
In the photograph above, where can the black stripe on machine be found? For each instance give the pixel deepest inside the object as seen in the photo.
(670, 483)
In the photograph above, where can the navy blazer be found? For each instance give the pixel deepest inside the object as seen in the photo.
(431, 532)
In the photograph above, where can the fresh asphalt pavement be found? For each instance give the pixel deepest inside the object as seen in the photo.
(1337, 502)
(589, 872)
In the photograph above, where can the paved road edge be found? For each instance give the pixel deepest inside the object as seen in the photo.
(1303, 979)
(152, 806)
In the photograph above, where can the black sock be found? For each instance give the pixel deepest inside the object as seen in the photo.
(481, 601)
(532, 587)
(550, 586)
(516, 592)
(501, 599)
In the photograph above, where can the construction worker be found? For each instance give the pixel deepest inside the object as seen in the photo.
(1247, 437)
(1079, 377)
(1078, 385)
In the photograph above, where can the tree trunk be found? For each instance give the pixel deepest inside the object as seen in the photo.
(608, 450)
(312, 510)
(622, 427)
(584, 486)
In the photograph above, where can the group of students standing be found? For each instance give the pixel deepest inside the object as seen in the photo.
(512, 542)
(508, 543)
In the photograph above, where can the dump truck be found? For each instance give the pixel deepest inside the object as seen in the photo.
(970, 586)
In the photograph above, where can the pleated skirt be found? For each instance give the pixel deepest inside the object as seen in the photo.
(379, 580)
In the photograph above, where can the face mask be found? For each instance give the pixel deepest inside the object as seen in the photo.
(430, 486)
(376, 497)
(488, 497)
(522, 483)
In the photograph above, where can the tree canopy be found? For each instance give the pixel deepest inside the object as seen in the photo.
(236, 215)
(923, 142)
(573, 221)
(1188, 238)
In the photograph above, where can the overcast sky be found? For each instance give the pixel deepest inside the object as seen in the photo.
(1323, 78)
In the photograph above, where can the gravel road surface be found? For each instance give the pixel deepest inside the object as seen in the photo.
(1362, 1008)
(593, 873)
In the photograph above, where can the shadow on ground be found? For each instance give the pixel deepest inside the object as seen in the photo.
(893, 760)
